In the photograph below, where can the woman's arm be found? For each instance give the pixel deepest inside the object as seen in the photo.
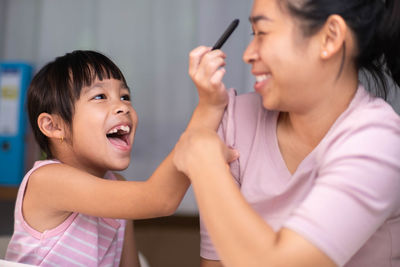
(240, 235)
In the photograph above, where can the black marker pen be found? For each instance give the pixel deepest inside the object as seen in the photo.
(226, 34)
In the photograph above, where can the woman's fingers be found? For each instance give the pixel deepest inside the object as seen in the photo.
(203, 63)
(195, 57)
(216, 79)
(210, 64)
(206, 68)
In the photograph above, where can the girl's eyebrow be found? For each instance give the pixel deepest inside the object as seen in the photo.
(255, 19)
(102, 85)
(87, 89)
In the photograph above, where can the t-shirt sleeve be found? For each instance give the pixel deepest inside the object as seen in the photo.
(356, 190)
(227, 133)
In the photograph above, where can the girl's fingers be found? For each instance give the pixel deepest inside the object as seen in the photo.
(231, 155)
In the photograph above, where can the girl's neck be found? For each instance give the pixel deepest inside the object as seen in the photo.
(83, 166)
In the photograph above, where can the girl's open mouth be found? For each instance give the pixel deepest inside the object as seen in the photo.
(119, 136)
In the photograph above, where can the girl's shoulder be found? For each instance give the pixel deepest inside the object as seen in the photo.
(37, 165)
(41, 163)
(114, 176)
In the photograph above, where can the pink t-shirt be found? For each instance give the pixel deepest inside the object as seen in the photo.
(344, 196)
(81, 240)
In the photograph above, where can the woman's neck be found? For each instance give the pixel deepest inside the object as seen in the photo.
(311, 126)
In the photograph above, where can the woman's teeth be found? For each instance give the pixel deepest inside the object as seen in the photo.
(260, 78)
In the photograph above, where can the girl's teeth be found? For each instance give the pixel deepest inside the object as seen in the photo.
(125, 128)
(113, 131)
(122, 128)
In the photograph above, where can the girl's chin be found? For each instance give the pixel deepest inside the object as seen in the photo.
(119, 164)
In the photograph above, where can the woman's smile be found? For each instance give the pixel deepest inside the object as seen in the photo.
(261, 81)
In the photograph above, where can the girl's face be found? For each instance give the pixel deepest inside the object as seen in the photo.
(282, 59)
(103, 127)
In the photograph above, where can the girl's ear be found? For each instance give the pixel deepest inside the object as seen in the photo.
(51, 125)
(333, 36)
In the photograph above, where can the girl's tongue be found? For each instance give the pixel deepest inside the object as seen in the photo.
(118, 141)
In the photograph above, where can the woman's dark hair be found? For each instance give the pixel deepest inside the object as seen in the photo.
(57, 86)
(376, 25)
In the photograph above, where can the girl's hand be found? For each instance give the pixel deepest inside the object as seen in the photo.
(206, 70)
(201, 148)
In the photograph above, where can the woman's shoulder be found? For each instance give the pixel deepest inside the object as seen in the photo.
(369, 110)
(248, 101)
(246, 107)
(370, 126)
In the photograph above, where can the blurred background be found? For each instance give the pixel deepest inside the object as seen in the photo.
(150, 41)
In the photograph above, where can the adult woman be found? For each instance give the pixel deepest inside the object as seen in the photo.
(318, 172)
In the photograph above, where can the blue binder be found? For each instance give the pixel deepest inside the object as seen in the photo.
(14, 81)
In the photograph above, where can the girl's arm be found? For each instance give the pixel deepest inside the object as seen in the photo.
(210, 263)
(55, 190)
(130, 256)
(240, 235)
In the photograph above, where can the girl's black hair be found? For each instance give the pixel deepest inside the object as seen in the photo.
(57, 86)
(376, 25)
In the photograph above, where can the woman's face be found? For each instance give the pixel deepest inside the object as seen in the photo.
(284, 62)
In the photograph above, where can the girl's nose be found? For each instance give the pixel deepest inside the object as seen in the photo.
(250, 54)
(121, 108)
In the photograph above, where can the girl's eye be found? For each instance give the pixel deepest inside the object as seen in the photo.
(126, 97)
(100, 96)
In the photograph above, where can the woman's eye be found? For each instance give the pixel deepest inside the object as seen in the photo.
(258, 33)
(126, 97)
(101, 96)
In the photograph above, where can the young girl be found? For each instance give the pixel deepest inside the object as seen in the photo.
(71, 208)
(317, 182)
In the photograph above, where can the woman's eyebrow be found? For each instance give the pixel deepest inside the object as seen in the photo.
(255, 19)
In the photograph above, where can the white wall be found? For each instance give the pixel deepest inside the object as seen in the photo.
(149, 40)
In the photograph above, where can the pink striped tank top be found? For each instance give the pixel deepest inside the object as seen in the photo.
(81, 240)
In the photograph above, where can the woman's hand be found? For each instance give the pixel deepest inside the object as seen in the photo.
(201, 148)
(206, 70)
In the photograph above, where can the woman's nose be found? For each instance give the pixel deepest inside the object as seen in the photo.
(250, 54)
